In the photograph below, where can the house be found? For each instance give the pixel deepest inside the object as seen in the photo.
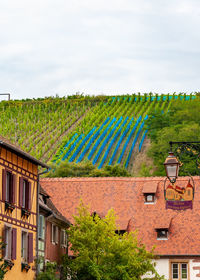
(52, 243)
(19, 179)
(139, 203)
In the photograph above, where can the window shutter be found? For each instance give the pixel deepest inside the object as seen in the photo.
(13, 193)
(30, 247)
(14, 244)
(20, 191)
(4, 241)
(52, 233)
(56, 239)
(3, 184)
(29, 196)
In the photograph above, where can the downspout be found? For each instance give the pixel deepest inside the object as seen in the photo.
(37, 233)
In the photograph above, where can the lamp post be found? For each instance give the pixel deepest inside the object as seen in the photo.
(172, 164)
(180, 196)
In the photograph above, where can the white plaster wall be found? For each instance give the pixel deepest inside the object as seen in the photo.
(194, 272)
(162, 267)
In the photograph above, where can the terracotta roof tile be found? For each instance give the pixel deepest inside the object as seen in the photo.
(125, 195)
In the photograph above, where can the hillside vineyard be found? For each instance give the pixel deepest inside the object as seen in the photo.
(104, 130)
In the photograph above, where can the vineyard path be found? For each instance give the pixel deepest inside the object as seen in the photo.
(139, 158)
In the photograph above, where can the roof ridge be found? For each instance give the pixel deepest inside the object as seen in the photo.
(139, 179)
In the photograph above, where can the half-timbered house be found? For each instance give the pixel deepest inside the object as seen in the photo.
(18, 210)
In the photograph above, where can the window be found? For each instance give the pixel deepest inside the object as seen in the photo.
(26, 247)
(120, 231)
(8, 231)
(10, 240)
(24, 194)
(162, 233)
(149, 197)
(41, 227)
(63, 238)
(8, 186)
(54, 234)
(179, 270)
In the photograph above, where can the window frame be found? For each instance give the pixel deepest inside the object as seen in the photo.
(162, 237)
(41, 235)
(179, 262)
(25, 194)
(8, 189)
(24, 259)
(8, 243)
(54, 234)
(63, 245)
(149, 201)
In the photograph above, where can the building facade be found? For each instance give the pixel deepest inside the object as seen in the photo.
(18, 211)
(52, 236)
(140, 204)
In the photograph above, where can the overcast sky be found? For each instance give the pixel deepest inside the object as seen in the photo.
(50, 47)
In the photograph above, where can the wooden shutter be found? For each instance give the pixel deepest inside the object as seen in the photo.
(30, 247)
(3, 184)
(4, 241)
(14, 244)
(29, 196)
(20, 191)
(13, 189)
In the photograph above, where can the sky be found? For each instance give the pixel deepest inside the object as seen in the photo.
(50, 47)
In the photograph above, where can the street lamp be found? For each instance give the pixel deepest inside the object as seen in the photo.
(172, 164)
(172, 167)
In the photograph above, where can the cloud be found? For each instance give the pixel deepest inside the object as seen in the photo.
(49, 47)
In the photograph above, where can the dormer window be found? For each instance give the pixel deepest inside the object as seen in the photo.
(162, 228)
(120, 231)
(162, 233)
(149, 192)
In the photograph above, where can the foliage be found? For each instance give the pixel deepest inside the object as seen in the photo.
(3, 265)
(87, 169)
(104, 129)
(49, 273)
(100, 253)
(181, 123)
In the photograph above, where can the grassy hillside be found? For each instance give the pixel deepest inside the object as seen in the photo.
(103, 130)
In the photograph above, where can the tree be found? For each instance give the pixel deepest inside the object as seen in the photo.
(101, 253)
(86, 169)
(3, 265)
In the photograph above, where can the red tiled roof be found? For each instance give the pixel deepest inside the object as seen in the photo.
(125, 195)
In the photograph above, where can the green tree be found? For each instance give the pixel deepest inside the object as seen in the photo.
(49, 273)
(3, 265)
(86, 169)
(102, 254)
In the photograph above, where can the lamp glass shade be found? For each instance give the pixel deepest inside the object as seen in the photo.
(172, 171)
(172, 167)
